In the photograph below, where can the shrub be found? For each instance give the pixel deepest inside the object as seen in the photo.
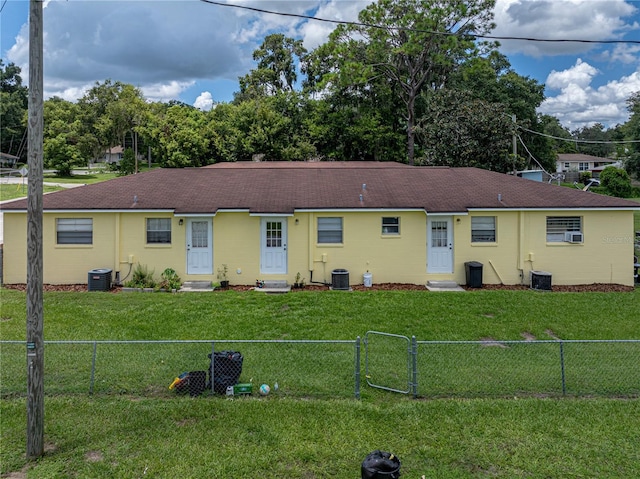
(170, 279)
(616, 181)
(142, 278)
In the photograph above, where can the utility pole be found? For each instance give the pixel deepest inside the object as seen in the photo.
(35, 342)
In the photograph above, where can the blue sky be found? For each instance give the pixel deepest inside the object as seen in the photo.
(194, 52)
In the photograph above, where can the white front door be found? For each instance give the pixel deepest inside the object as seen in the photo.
(273, 246)
(439, 245)
(199, 246)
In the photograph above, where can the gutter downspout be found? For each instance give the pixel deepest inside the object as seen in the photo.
(117, 247)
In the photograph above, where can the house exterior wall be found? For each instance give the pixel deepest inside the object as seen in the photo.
(520, 246)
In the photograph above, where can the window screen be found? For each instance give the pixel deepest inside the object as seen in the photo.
(390, 225)
(329, 230)
(483, 229)
(158, 230)
(74, 230)
(557, 226)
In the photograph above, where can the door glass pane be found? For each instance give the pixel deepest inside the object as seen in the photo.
(274, 234)
(439, 234)
(199, 234)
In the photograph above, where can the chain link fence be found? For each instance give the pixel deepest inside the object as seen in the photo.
(157, 368)
(331, 369)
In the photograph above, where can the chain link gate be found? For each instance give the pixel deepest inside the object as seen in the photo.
(391, 362)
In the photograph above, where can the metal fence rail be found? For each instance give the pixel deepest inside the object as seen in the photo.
(332, 369)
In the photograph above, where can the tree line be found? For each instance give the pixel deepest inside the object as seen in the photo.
(410, 82)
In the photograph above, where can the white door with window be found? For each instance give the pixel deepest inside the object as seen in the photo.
(273, 246)
(439, 245)
(199, 246)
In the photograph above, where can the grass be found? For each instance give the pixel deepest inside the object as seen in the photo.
(122, 434)
(503, 315)
(10, 191)
(273, 438)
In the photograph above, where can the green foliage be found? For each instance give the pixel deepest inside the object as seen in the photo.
(127, 165)
(170, 280)
(584, 177)
(616, 181)
(222, 272)
(458, 130)
(276, 71)
(141, 278)
(60, 155)
(401, 53)
(14, 98)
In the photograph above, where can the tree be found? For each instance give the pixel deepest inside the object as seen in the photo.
(183, 137)
(276, 70)
(62, 136)
(632, 132)
(491, 78)
(460, 130)
(110, 110)
(14, 99)
(551, 126)
(616, 181)
(410, 45)
(597, 134)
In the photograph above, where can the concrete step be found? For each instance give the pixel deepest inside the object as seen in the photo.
(443, 286)
(196, 286)
(274, 287)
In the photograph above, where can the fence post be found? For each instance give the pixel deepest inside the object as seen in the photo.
(564, 384)
(212, 366)
(357, 367)
(93, 367)
(414, 366)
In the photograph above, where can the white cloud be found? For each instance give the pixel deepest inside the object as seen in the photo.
(561, 19)
(580, 74)
(627, 54)
(204, 101)
(580, 104)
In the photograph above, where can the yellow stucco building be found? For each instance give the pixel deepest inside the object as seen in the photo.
(271, 221)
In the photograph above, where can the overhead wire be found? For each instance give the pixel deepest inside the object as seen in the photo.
(574, 140)
(417, 30)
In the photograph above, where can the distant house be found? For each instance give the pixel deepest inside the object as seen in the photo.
(112, 155)
(8, 161)
(578, 162)
(271, 220)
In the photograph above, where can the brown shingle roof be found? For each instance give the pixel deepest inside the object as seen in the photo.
(283, 187)
(582, 157)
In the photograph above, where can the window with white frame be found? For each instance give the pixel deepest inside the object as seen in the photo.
(158, 230)
(557, 226)
(483, 229)
(330, 230)
(390, 225)
(74, 230)
(582, 166)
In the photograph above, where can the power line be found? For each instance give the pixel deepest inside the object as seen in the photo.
(417, 30)
(3, 4)
(573, 140)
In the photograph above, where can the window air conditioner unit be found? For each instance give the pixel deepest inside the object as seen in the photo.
(573, 237)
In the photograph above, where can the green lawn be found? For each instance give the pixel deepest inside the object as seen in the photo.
(10, 191)
(123, 434)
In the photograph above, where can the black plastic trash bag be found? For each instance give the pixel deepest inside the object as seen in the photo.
(225, 369)
(380, 465)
